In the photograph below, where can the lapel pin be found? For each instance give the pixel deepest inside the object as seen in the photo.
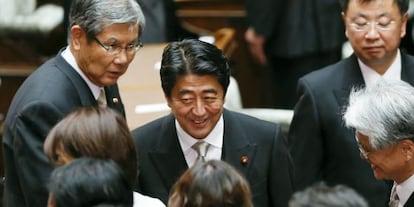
(244, 160)
(115, 100)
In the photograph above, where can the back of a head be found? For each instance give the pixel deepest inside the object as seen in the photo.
(192, 56)
(321, 195)
(94, 132)
(90, 182)
(211, 184)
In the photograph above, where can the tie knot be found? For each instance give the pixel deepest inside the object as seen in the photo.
(101, 98)
(394, 199)
(201, 148)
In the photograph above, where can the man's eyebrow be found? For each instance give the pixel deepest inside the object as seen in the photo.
(210, 91)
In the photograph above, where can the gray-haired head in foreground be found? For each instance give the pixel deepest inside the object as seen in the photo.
(321, 195)
(93, 15)
(383, 112)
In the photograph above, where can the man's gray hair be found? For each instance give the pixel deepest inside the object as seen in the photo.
(93, 15)
(383, 112)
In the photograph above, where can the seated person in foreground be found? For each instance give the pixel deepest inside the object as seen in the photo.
(209, 184)
(382, 116)
(89, 182)
(194, 77)
(98, 132)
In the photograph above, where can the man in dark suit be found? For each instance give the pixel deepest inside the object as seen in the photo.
(195, 76)
(293, 38)
(383, 119)
(321, 147)
(103, 41)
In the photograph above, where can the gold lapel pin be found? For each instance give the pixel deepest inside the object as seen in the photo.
(115, 100)
(244, 160)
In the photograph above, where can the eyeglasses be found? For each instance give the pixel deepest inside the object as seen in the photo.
(362, 152)
(379, 26)
(116, 49)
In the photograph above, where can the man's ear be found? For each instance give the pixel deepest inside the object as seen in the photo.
(344, 19)
(76, 33)
(168, 100)
(408, 149)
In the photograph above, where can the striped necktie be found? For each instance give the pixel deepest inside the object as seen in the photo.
(394, 199)
(201, 148)
(101, 98)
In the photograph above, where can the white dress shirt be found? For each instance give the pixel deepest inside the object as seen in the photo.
(404, 190)
(146, 201)
(215, 139)
(371, 76)
(68, 56)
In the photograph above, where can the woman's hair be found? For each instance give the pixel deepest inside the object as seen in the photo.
(211, 184)
(93, 132)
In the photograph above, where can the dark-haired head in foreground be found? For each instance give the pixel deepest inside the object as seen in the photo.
(89, 182)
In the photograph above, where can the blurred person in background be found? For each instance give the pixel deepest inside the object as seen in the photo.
(292, 38)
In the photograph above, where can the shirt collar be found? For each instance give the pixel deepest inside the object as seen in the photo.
(405, 189)
(70, 58)
(371, 76)
(215, 137)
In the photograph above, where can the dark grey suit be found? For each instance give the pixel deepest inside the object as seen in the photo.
(269, 169)
(321, 147)
(47, 95)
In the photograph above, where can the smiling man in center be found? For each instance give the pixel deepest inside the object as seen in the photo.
(194, 77)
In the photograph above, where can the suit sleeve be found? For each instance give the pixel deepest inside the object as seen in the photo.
(32, 166)
(264, 15)
(305, 138)
(282, 175)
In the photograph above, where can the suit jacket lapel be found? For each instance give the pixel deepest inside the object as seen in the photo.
(85, 94)
(236, 145)
(410, 201)
(168, 156)
(407, 71)
(113, 99)
(351, 77)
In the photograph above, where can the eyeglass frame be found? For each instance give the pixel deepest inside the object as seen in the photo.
(364, 154)
(376, 24)
(117, 49)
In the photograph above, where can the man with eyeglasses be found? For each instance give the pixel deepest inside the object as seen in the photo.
(383, 119)
(103, 40)
(322, 147)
